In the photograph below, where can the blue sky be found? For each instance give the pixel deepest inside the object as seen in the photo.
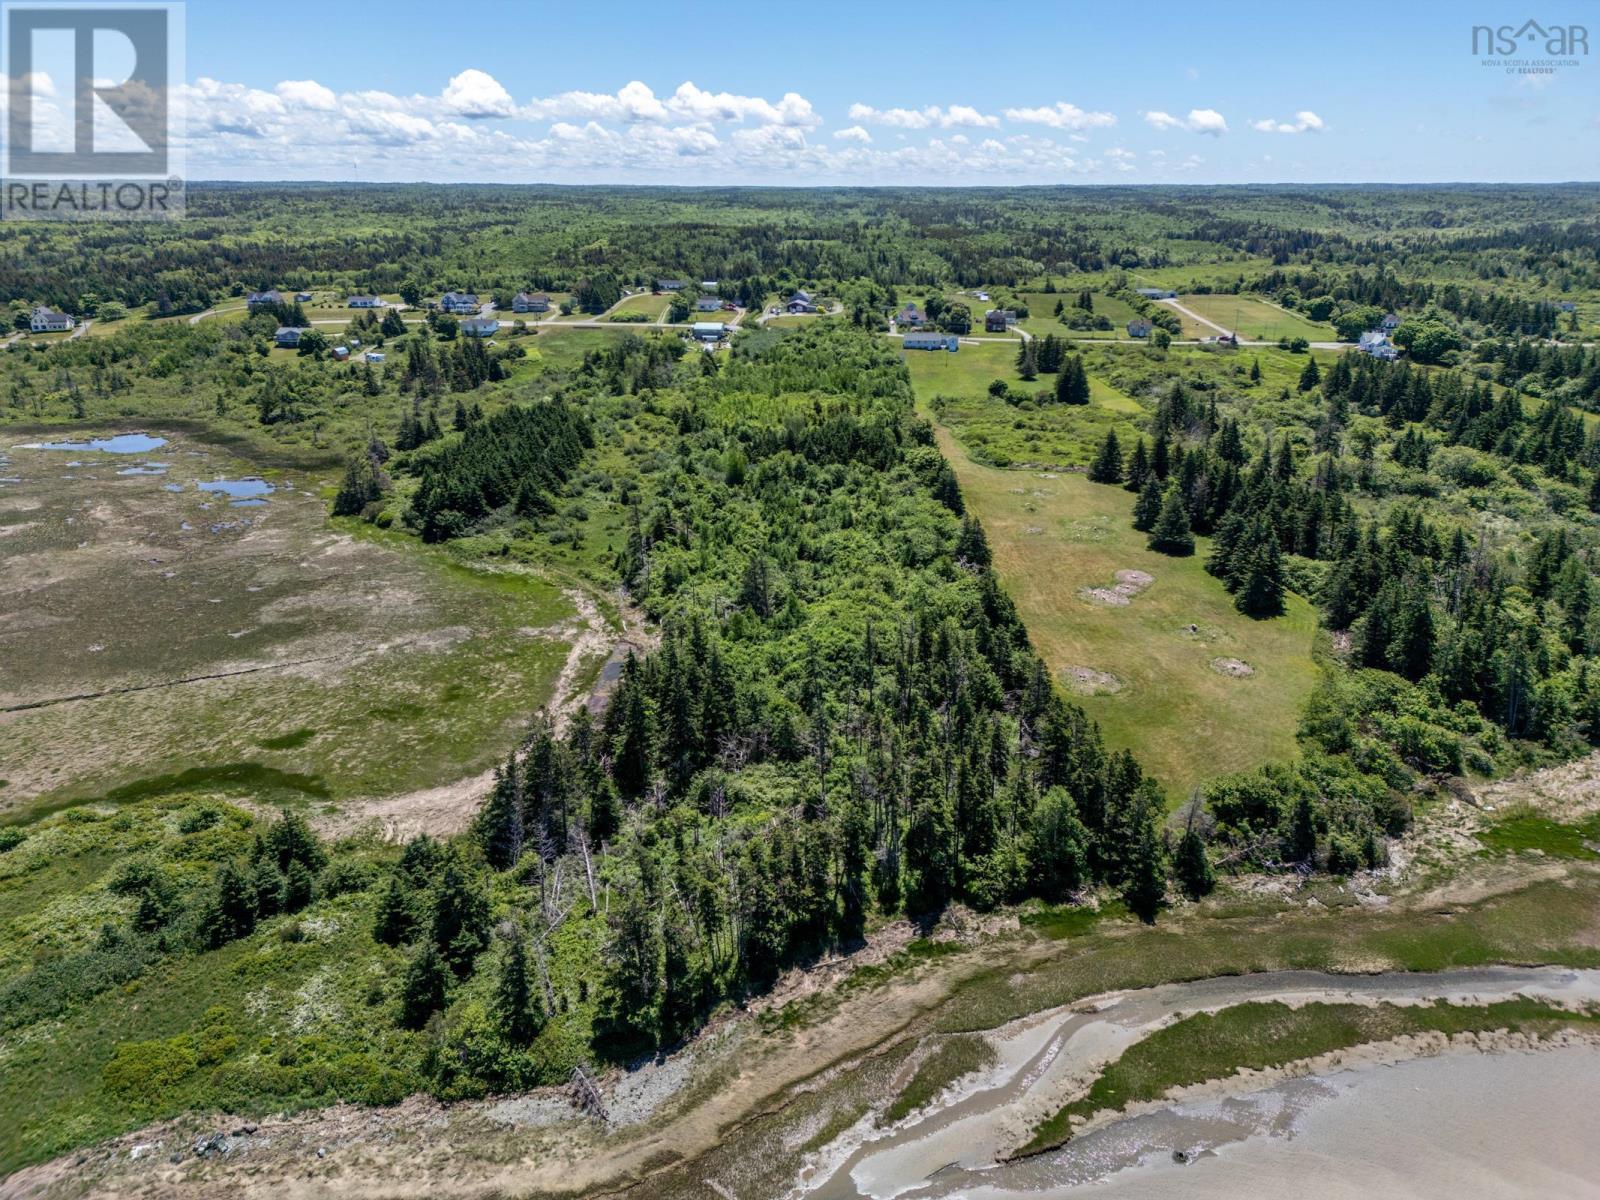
(923, 94)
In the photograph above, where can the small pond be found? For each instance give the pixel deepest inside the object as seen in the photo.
(122, 443)
(237, 489)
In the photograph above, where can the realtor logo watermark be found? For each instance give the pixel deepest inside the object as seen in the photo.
(93, 110)
(1531, 48)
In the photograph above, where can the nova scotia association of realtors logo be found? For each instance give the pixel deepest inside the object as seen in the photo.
(1532, 47)
(92, 119)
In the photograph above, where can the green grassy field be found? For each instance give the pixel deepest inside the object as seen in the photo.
(1254, 320)
(1001, 434)
(1042, 315)
(1054, 534)
(653, 307)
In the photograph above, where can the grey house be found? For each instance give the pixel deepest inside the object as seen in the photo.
(1140, 327)
(287, 336)
(931, 341)
(530, 302)
(461, 303)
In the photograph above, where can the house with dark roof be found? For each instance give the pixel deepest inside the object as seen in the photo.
(910, 315)
(530, 302)
(709, 331)
(480, 327)
(287, 336)
(47, 320)
(669, 285)
(264, 299)
(998, 320)
(461, 303)
(1157, 293)
(801, 302)
(708, 304)
(1140, 327)
(931, 341)
(1390, 322)
(302, 297)
(1566, 306)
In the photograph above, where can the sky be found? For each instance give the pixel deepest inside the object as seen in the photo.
(923, 94)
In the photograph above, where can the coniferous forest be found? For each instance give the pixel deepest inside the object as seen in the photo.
(837, 722)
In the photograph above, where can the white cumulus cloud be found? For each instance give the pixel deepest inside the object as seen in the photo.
(476, 94)
(637, 102)
(1305, 121)
(307, 93)
(1062, 115)
(933, 116)
(1200, 120)
(853, 134)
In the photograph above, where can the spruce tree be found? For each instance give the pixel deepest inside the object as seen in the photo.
(1255, 370)
(1192, 867)
(231, 911)
(519, 1012)
(1107, 465)
(972, 546)
(1144, 888)
(460, 925)
(499, 825)
(1072, 384)
(1310, 376)
(1302, 830)
(1138, 468)
(395, 921)
(1147, 508)
(1261, 584)
(1171, 534)
(422, 990)
(298, 887)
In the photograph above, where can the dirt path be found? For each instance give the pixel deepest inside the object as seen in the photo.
(448, 808)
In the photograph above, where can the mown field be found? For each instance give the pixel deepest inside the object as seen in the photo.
(1255, 320)
(1155, 685)
(1042, 317)
(1054, 534)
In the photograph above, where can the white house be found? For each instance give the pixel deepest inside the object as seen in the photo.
(480, 327)
(1376, 343)
(801, 302)
(374, 356)
(462, 303)
(708, 304)
(47, 320)
(363, 302)
(669, 285)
